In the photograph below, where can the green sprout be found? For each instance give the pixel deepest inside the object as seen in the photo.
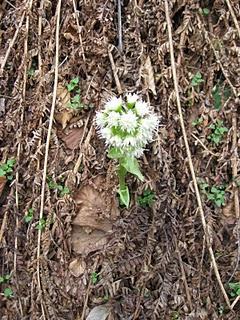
(6, 169)
(95, 277)
(215, 194)
(197, 79)
(146, 199)
(218, 131)
(8, 293)
(72, 84)
(28, 216)
(5, 278)
(205, 11)
(41, 224)
(235, 289)
(197, 122)
(63, 190)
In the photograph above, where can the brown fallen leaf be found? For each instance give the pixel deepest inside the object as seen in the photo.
(148, 75)
(63, 113)
(77, 267)
(84, 242)
(3, 181)
(99, 313)
(72, 138)
(94, 218)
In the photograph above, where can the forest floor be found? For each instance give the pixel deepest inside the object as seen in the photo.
(68, 250)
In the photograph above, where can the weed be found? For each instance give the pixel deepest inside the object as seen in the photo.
(63, 190)
(146, 199)
(197, 122)
(41, 224)
(5, 278)
(31, 72)
(215, 194)
(197, 79)
(72, 84)
(95, 277)
(205, 11)
(28, 216)
(221, 310)
(235, 289)
(8, 293)
(218, 131)
(75, 103)
(175, 315)
(6, 169)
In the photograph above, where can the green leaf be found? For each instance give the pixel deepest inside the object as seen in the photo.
(11, 162)
(41, 224)
(8, 293)
(124, 196)
(205, 11)
(1, 280)
(29, 216)
(72, 84)
(114, 153)
(132, 166)
(2, 172)
(197, 79)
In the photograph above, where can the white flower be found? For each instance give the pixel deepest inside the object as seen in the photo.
(149, 124)
(128, 121)
(127, 125)
(113, 104)
(132, 98)
(106, 133)
(141, 108)
(100, 119)
(113, 119)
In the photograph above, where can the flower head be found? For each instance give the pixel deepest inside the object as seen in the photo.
(127, 125)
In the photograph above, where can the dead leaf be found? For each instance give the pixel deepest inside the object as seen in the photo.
(99, 313)
(148, 75)
(77, 267)
(94, 218)
(3, 181)
(72, 138)
(84, 242)
(63, 113)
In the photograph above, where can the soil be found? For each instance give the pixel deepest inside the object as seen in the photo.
(68, 249)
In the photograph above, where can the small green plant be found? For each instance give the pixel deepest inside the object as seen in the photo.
(8, 293)
(31, 72)
(95, 277)
(215, 194)
(146, 199)
(235, 289)
(221, 310)
(175, 315)
(5, 278)
(6, 169)
(63, 190)
(72, 84)
(197, 79)
(127, 125)
(197, 122)
(41, 224)
(218, 131)
(205, 11)
(29, 215)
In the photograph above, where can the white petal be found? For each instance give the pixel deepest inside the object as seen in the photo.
(113, 104)
(128, 121)
(142, 108)
(132, 98)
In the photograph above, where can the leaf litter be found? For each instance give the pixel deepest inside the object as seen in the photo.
(153, 261)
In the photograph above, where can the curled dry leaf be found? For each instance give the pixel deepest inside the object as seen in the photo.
(3, 181)
(77, 267)
(148, 75)
(63, 113)
(95, 214)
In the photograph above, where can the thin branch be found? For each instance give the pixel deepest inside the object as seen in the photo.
(233, 16)
(114, 69)
(119, 14)
(58, 12)
(189, 156)
(11, 44)
(79, 30)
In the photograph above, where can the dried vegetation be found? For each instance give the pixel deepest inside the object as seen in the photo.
(147, 263)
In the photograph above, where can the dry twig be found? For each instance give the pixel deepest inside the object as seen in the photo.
(58, 12)
(114, 69)
(189, 156)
